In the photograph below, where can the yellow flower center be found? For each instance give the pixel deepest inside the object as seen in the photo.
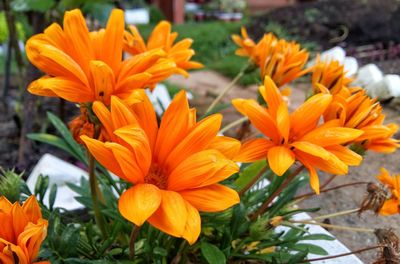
(156, 176)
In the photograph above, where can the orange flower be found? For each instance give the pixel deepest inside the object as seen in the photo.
(163, 38)
(296, 136)
(174, 168)
(355, 109)
(391, 205)
(22, 231)
(83, 66)
(331, 75)
(282, 61)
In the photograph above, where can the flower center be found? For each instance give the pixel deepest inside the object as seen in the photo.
(156, 176)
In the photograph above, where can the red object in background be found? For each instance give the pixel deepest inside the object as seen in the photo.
(261, 5)
(174, 10)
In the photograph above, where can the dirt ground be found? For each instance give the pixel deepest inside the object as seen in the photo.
(206, 85)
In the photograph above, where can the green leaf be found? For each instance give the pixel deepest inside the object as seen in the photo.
(298, 258)
(32, 5)
(318, 237)
(212, 254)
(248, 174)
(310, 248)
(51, 140)
(52, 196)
(160, 251)
(66, 135)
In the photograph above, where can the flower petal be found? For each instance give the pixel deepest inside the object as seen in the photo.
(200, 169)
(193, 224)
(113, 39)
(311, 149)
(280, 159)
(345, 154)
(171, 216)
(139, 202)
(213, 198)
(103, 81)
(253, 150)
(332, 136)
(228, 146)
(271, 95)
(32, 209)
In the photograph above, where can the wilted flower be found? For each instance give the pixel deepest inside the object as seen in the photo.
(83, 66)
(390, 253)
(375, 198)
(163, 38)
(22, 231)
(296, 136)
(175, 168)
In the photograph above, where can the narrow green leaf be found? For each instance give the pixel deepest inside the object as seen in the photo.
(52, 140)
(52, 196)
(212, 254)
(310, 248)
(318, 237)
(248, 174)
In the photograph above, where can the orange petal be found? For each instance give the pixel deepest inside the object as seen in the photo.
(62, 87)
(253, 150)
(283, 121)
(271, 95)
(280, 159)
(332, 136)
(139, 202)
(312, 149)
(200, 169)
(258, 116)
(104, 115)
(305, 117)
(346, 155)
(135, 137)
(390, 207)
(193, 224)
(173, 127)
(103, 155)
(32, 237)
(103, 81)
(127, 162)
(20, 219)
(228, 146)
(197, 140)
(32, 209)
(146, 116)
(160, 35)
(77, 32)
(171, 216)
(121, 115)
(112, 41)
(213, 198)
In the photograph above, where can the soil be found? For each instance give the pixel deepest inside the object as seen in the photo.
(206, 84)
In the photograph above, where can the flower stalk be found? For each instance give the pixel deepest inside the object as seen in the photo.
(134, 235)
(94, 188)
(338, 227)
(266, 204)
(342, 255)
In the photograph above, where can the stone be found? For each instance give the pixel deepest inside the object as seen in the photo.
(335, 53)
(350, 66)
(367, 75)
(388, 87)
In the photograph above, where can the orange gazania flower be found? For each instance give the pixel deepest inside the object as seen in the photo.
(175, 168)
(83, 66)
(392, 182)
(279, 59)
(331, 75)
(296, 136)
(355, 109)
(22, 231)
(163, 38)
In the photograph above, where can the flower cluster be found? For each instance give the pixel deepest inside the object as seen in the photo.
(22, 231)
(279, 59)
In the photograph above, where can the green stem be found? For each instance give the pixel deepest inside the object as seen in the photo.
(227, 88)
(233, 124)
(94, 188)
(266, 204)
(253, 181)
(310, 222)
(346, 212)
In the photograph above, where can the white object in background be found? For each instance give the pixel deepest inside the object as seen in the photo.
(160, 98)
(191, 7)
(137, 16)
(335, 53)
(59, 172)
(333, 247)
(387, 87)
(368, 75)
(350, 66)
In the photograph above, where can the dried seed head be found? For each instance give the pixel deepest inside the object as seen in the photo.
(374, 199)
(390, 253)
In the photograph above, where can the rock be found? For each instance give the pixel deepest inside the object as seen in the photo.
(387, 87)
(350, 66)
(335, 53)
(137, 16)
(367, 75)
